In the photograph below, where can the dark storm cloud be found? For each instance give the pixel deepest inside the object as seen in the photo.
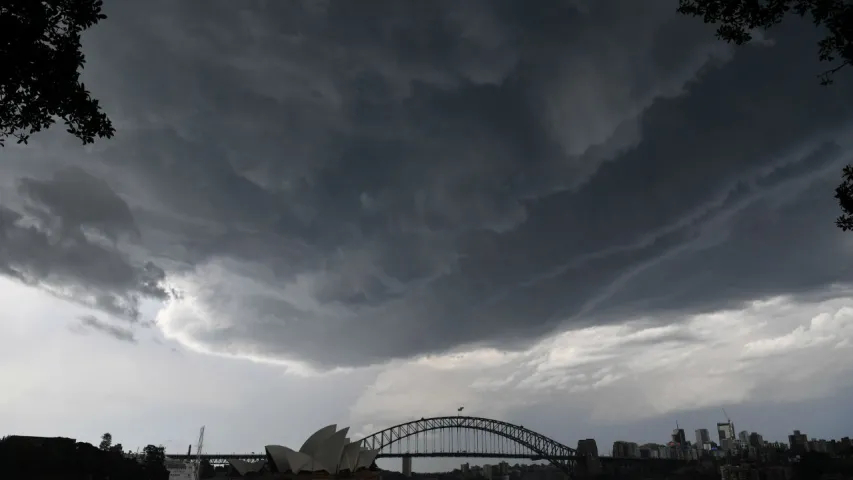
(90, 322)
(65, 240)
(79, 200)
(347, 182)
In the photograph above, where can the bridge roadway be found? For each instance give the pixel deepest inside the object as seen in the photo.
(222, 458)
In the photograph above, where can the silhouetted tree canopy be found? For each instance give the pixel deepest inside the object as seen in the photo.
(812, 465)
(50, 458)
(738, 18)
(106, 441)
(41, 58)
(844, 194)
(154, 457)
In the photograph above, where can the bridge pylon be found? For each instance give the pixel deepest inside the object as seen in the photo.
(407, 465)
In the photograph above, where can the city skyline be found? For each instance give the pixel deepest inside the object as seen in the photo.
(590, 218)
(467, 444)
(749, 445)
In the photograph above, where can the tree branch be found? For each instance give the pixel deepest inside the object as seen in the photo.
(826, 77)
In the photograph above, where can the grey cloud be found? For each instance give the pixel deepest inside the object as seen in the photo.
(66, 240)
(616, 374)
(365, 181)
(78, 200)
(90, 322)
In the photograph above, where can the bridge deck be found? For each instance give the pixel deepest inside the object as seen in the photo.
(221, 458)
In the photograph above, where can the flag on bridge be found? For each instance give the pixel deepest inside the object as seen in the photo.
(460, 409)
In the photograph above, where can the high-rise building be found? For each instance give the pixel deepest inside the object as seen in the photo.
(799, 442)
(726, 434)
(678, 437)
(756, 440)
(743, 436)
(702, 437)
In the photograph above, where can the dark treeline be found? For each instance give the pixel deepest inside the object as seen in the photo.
(40, 458)
(817, 465)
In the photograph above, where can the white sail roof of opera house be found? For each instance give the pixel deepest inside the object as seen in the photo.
(326, 450)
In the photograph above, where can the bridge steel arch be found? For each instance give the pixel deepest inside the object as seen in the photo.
(545, 448)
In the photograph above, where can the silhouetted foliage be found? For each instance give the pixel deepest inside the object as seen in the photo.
(106, 441)
(844, 194)
(812, 465)
(41, 58)
(737, 18)
(154, 457)
(41, 458)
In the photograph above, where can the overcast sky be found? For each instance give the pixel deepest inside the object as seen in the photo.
(587, 217)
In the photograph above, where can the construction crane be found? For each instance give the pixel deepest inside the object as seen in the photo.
(198, 453)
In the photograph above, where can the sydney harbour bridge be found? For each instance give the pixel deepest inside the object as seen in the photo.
(451, 436)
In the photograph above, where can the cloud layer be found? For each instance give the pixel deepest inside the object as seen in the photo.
(770, 351)
(65, 239)
(332, 185)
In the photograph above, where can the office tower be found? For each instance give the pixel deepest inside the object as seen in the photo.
(756, 440)
(702, 437)
(799, 442)
(678, 437)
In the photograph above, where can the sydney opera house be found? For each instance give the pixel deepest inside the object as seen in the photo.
(326, 453)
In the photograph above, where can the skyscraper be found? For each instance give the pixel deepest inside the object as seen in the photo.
(799, 442)
(756, 440)
(702, 437)
(678, 437)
